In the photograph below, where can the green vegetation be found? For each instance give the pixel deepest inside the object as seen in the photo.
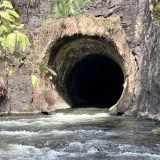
(156, 12)
(31, 2)
(13, 41)
(65, 8)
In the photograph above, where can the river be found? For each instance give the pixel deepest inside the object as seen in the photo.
(78, 134)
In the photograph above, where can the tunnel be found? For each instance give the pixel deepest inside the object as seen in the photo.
(89, 72)
(96, 80)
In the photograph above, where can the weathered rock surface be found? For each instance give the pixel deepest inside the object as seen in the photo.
(20, 92)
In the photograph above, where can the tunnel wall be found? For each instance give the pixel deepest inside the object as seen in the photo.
(140, 37)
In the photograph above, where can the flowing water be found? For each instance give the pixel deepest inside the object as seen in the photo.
(81, 134)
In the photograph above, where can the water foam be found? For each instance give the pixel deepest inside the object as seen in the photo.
(74, 118)
(18, 133)
(135, 154)
(57, 119)
(19, 152)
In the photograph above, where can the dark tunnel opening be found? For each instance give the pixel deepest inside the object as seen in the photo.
(96, 80)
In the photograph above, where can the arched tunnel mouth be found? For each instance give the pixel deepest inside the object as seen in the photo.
(95, 81)
(90, 72)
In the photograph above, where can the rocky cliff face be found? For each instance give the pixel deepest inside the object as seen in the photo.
(137, 47)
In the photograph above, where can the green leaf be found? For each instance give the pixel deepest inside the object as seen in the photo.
(70, 1)
(13, 26)
(157, 7)
(11, 42)
(34, 81)
(2, 59)
(61, 8)
(73, 11)
(50, 78)
(20, 26)
(27, 40)
(54, 7)
(51, 9)
(156, 16)
(3, 42)
(12, 12)
(79, 3)
(6, 4)
(6, 16)
(30, 2)
(1, 29)
(32, 46)
(66, 11)
(51, 71)
(6, 22)
(23, 41)
(6, 59)
(87, 2)
(57, 11)
(42, 68)
(17, 54)
(11, 71)
(7, 29)
(22, 45)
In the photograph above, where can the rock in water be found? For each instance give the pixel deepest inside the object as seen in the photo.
(50, 97)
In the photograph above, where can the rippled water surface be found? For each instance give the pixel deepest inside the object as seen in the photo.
(82, 134)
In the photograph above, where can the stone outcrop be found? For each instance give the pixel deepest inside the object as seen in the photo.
(126, 26)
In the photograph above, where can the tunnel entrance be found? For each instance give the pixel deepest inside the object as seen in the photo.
(95, 80)
(91, 61)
